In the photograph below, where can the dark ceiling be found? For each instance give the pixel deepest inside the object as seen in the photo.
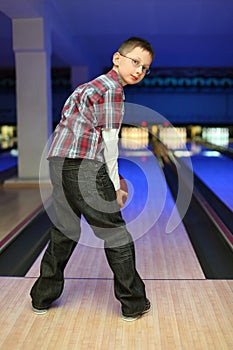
(87, 32)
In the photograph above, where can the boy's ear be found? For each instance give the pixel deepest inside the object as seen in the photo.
(116, 58)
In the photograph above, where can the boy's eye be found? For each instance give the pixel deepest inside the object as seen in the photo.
(136, 63)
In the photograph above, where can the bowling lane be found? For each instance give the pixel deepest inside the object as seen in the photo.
(8, 164)
(8, 159)
(8, 150)
(213, 168)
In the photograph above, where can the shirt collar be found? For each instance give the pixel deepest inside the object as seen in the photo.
(115, 76)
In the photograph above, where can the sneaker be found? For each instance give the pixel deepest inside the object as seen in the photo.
(39, 311)
(134, 318)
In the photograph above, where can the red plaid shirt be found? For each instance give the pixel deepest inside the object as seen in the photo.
(91, 107)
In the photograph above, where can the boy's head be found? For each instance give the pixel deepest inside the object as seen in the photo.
(133, 59)
(133, 42)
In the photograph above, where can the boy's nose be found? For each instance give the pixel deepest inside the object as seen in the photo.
(139, 69)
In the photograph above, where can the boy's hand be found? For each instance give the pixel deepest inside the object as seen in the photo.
(121, 197)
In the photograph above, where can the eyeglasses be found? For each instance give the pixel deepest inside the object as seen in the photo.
(137, 64)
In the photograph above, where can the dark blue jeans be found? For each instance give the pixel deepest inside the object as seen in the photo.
(83, 187)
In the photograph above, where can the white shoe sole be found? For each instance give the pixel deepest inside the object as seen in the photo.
(39, 312)
(131, 319)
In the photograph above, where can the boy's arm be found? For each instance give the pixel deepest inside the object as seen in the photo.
(110, 137)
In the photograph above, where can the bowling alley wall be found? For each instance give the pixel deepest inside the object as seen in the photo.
(187, 95)
(183, 95)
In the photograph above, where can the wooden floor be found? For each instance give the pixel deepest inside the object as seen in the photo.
(189, 312)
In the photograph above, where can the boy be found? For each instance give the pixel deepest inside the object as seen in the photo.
(84, 174)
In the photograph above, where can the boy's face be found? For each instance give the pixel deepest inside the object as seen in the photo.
(132, 66)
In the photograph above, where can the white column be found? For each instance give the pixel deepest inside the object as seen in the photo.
(31, 43)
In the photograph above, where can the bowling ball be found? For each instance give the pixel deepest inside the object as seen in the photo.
(123, 184)
(124, 187)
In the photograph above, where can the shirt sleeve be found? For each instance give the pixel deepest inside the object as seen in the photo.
(110, 137)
